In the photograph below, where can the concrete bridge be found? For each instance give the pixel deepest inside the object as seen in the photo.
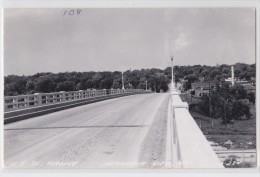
(120, 128)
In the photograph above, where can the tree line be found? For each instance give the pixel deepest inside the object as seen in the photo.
(72, 81)
(216, 73)
(157, 79)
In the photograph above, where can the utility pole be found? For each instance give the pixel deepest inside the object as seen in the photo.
(190, 97)
(225, 112)
(146, 85)
(172, 70)
(123, 86)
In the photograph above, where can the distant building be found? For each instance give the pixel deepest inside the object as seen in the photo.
(202, 88)
(230, 79)
(242, 82)
(236, 81)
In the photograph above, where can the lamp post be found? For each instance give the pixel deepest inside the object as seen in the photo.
(123, 86)
(172, 70)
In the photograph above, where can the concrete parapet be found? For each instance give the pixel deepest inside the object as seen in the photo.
(18, 102)
(34, 111)
(192, 146)
(181, 105)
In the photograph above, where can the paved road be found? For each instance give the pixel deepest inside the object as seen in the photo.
(122, 132)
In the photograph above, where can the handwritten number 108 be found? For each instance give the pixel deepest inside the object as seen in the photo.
(72, 12)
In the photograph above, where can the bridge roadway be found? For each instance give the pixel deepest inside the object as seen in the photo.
(123, 132)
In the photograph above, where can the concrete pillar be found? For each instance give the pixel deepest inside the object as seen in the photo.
(62, 96)
(53, 98)
(24, 101)
(15, 103)
(80, 94)
(39, 98)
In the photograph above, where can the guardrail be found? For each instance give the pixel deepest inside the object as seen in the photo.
(192, 148)
(12, 103)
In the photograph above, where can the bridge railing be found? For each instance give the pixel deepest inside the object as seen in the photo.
(12, 103)
(192, 148)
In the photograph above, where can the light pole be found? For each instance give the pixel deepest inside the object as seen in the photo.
(146, 85)
(172, 70)
(123, 86)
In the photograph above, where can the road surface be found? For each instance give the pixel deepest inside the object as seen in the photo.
(123, 132)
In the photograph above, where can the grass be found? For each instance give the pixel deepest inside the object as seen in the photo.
(242, 132)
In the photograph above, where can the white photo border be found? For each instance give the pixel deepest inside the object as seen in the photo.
(133, 4)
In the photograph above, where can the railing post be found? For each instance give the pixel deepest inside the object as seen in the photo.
(25, 100)
(39, 98)
(80, 94)
(15, 103)
(62, 96)
(87, 94)
(54, 98)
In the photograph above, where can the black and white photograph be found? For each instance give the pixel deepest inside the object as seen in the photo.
(129, 88)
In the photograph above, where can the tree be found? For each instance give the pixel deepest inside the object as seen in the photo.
(96, 79)
(10, 90)
(240, 109)
(251, 97)
(66, 86)
(142, 84)
(107, 81)
(238, 91)
(227, 103)
(30, 87)
(190, 79)
(15, 84)
(117, 84)
(204, 106)
(158, 81)
(45, 84)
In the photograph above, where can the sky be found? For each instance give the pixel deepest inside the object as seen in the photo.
(46, 40)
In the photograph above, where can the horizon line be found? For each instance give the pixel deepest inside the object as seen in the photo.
(51, 72)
